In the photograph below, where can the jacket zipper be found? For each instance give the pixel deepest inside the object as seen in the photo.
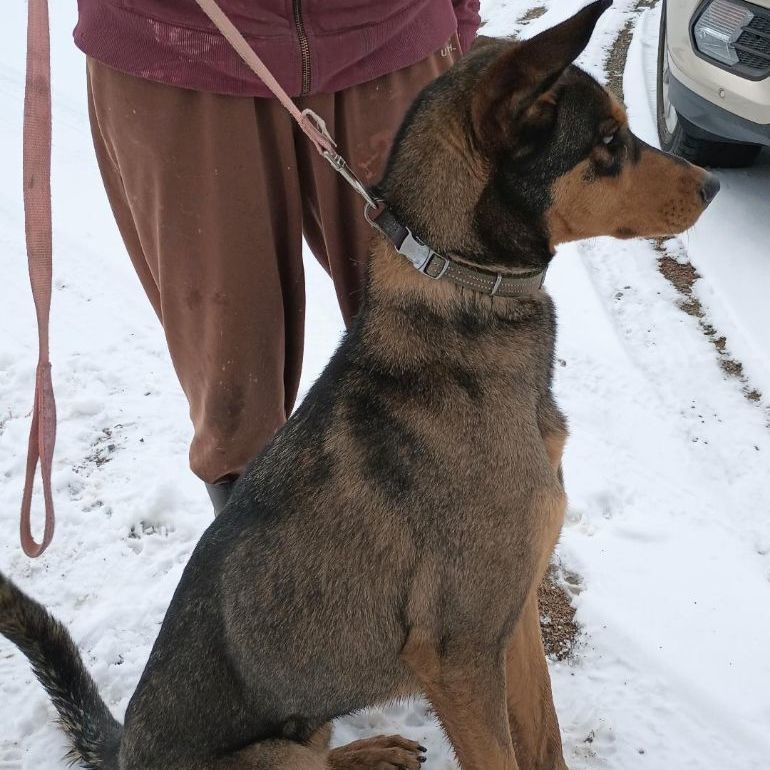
(304, 46)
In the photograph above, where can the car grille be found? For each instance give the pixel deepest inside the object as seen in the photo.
(753, 46)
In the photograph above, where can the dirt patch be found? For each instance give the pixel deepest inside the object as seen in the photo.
(683, 276)
(532, 14)
(616, 60)
(147, 528)
(557, 615)
(615, 64)
(102, 450)
(4, 421)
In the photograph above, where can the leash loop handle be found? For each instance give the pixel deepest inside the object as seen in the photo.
(39, 238)
(42, 437)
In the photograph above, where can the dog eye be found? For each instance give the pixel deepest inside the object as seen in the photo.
(609, 138)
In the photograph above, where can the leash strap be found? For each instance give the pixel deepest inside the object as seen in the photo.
(312, 124)
(37, 220)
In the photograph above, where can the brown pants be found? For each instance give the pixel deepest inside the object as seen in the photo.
(212, 195)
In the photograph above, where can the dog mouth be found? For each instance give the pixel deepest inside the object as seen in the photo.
(683, 191)
(681, 213)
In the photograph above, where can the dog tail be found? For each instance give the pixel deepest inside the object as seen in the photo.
(56, 662)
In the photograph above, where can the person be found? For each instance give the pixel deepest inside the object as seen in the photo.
(212, 186)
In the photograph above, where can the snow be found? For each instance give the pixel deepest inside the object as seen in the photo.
(669, 520)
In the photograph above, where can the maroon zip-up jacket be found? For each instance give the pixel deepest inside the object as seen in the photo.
(311, 46)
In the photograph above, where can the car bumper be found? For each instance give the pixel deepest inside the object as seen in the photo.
(712, 121)
(741, 107)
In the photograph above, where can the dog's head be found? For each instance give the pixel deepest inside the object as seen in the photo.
(515, 150)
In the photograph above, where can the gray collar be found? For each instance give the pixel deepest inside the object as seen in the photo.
(516, 283)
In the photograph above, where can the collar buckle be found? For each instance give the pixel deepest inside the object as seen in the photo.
(422, 256)
(443, 270)
(415, 251)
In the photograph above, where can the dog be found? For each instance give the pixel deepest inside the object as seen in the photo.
(390, 540)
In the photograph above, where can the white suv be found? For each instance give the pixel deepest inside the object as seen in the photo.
(714, 80)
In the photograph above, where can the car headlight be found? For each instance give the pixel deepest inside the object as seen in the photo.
(717, 30)
(736, 35)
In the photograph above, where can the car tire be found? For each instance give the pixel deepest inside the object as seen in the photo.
(679, 138)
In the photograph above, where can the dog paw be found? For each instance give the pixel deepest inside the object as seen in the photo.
(385, 752)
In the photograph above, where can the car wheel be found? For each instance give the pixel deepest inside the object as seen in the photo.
(676, 135)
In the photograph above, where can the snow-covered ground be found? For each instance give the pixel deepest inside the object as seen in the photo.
(667, 465)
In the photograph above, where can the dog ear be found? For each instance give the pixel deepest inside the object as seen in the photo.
(524, 73)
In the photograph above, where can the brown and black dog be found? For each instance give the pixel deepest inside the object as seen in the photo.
(390, 540)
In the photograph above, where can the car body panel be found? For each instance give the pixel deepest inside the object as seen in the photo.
(748, 99)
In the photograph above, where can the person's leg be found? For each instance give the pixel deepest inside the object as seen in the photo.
(205, 193)
(364, 120)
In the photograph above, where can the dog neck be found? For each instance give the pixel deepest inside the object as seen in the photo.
(408, 315)
(413, 321)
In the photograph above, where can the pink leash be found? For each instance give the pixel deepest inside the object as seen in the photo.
(37, 219)
(37, 211)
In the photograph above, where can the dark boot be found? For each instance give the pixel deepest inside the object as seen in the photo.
(219, 492)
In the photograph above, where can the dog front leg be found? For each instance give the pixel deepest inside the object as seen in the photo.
(533, 721)
(466, 687)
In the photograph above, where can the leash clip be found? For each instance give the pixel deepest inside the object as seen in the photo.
(339, 164)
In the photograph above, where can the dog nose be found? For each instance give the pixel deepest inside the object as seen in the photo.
(710, 188)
